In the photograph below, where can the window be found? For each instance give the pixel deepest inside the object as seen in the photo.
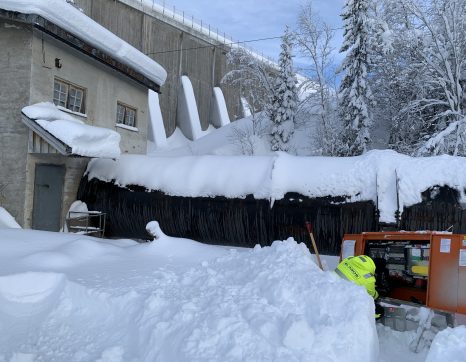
(126, 115)
(68, 96)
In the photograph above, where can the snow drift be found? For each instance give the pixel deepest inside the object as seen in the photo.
(175, 300)
(448, 345)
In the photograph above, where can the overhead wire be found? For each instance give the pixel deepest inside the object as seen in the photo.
(220, 46)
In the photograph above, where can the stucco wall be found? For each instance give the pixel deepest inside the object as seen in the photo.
(103, 85)
(15, 70)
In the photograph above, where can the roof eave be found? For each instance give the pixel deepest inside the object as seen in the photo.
(69, 39)
(60, 146)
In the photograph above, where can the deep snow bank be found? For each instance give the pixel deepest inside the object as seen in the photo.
(174, 300)
(448, 345)
(372, 176)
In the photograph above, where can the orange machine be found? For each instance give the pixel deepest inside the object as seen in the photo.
(428, 268)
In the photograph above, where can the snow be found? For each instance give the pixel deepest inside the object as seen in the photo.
(72, 20)
(156, 133)
(7, 221)
(219, 112)
(448, 345)
(83, 139)
(174, 300)
(78, 208)
(190, 176)
(394, 346)
(187, 115)
(371, 176)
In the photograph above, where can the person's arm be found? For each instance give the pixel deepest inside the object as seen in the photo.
(370, 287)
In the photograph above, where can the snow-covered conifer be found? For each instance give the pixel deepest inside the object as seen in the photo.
(355, 93)
(283, 106)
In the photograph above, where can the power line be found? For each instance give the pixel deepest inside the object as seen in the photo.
(213, 45)
(224, 44)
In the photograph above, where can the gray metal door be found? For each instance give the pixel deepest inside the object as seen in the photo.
(48, 194)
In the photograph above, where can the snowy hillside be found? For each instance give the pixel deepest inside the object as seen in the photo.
(246, 136)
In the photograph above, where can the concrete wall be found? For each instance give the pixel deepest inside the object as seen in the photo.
(152, 32)
(15, 70)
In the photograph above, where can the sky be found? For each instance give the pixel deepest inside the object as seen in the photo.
(257, 19)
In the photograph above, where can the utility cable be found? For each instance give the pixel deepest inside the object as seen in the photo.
(223, 44)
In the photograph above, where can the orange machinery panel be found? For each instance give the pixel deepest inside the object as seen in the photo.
(447, 273)
(462, 276)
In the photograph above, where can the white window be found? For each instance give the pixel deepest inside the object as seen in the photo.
(69, 96)
(126, 115)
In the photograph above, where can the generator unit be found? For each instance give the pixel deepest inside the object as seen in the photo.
(425, 268)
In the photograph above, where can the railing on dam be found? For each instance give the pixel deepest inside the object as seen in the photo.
(171, 12)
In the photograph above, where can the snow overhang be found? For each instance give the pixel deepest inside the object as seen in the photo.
(68, 135)
(82, 34)
(60, 146)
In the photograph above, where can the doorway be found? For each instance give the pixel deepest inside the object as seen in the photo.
(48, 196)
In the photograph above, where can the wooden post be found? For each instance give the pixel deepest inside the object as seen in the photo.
(314, 245)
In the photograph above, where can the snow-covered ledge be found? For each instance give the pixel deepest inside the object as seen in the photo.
(156, 132)
(69, 135)
(187, 114)
(218, 113)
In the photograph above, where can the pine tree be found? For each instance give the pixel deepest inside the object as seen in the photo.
(283, 105)
(355, 93)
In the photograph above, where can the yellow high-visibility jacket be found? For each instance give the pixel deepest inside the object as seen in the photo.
(361, 271)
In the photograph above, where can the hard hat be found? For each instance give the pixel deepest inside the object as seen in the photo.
(365, 263)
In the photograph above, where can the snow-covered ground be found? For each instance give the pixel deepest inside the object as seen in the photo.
(68, 297)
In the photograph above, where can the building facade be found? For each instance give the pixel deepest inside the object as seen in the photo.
(42, 62)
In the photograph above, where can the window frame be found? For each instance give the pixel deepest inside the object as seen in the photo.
(70, 102)
(126, 117)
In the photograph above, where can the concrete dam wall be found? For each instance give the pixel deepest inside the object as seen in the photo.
(180, 48)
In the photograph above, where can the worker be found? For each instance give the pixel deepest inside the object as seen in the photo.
(361, 271)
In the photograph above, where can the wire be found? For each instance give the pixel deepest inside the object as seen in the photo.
(223, 44)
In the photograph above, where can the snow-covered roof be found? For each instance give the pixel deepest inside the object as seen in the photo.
(75, 22)
(372, 176)
(81, 139)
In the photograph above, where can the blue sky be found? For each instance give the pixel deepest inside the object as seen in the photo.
(254, 19)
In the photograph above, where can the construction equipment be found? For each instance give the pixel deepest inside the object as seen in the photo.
(421, 278)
